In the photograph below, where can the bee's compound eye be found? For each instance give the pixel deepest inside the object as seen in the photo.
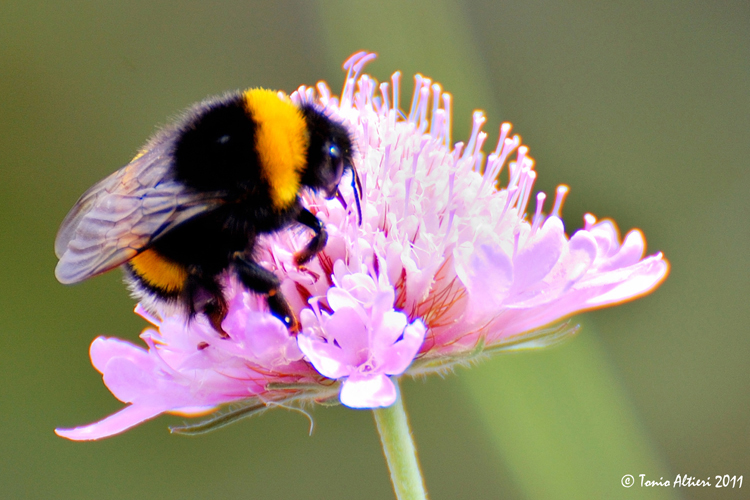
(334, 151)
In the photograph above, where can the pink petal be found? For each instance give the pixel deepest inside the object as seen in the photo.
(402, 353)
(605, 288)
(123, 420)
(607, 237)
(360, 286)
(347, 329)
(581, 255)
(539, 256)
(651, 274)
(367, 391)
(486, 271)
(630, 252)
(259, 337)
(324, 357)
(339, 298)
(128, 380)
(382, 304)
(393, 261)
(103, 349)
(390, 325)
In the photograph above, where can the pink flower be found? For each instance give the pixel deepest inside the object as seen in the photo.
(191, 370)
(363, 341)
(445, 265)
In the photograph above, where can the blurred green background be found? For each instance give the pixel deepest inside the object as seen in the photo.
(642, 108)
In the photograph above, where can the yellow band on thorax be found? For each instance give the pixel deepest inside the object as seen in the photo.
(281, 141)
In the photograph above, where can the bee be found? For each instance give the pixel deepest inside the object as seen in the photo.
(191, 205)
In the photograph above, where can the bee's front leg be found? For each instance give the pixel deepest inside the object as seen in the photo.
(318, 241)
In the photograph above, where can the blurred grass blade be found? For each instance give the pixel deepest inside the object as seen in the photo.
(562, 425)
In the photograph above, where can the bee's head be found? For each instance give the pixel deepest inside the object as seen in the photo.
(329, 152)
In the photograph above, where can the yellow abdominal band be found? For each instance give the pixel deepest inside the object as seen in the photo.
(159, 272)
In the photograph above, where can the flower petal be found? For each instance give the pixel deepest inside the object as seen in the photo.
(121, 421)
(629, 253)
(402, 353)
(389, 327)
(367, 391)
(539, 255)
(324, 357)
(347, 330)
(487, 272)
(581, 255)
(648, 274)
(104, 348)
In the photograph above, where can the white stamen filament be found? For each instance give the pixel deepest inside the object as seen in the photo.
(589, 221)
(448, 119)
(560, 194)
(384, 93)
(415, 98)
(436, 89)
(538, 215)
(396, 81)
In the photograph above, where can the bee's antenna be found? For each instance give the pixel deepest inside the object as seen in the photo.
(340, 199)
(357, 186)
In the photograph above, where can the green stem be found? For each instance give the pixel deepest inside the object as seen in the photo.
(400, 453)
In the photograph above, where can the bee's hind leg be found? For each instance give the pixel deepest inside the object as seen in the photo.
(260, 280)
(216, 310)
(206, 295)
(318, 241)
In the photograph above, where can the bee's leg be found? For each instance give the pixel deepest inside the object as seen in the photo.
(318, 241)
(216, 310)
(205, 295)
(260, 280)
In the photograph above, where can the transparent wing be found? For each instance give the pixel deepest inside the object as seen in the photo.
(122, 214)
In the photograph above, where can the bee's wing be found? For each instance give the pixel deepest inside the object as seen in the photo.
(121, 215)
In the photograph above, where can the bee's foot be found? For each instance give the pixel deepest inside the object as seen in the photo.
(303, 257)
(294, 327)
(216, 312)
(280, 308)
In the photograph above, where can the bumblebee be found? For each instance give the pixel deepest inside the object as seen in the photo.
(191, 204)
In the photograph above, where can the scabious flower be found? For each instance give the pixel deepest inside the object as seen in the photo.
(446, 264)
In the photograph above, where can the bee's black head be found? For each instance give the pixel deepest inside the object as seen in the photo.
(329, 152)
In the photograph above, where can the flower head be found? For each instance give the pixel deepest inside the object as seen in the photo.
(446, 263)
(362, 340)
